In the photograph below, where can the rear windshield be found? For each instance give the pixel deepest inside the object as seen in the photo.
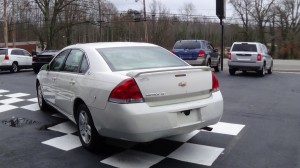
(244, 47)
(187, 45)
(130, 58)
(3, 51)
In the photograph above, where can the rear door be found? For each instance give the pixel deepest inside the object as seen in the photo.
(187, 50)
(244, 52)
(18, 55)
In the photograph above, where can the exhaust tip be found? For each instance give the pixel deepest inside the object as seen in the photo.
(207, 128)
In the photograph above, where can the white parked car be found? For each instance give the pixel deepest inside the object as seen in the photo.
(131, 91)
(14, 59)
(250, 56)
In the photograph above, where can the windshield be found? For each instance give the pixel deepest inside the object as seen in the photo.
(131, 58)
(187, 45)
(245, 47)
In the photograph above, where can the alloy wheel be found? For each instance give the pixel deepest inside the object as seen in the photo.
(85, 128)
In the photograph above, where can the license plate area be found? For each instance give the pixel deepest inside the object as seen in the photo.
(189, 116)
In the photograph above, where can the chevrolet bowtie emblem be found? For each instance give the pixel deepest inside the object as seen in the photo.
(182, 84)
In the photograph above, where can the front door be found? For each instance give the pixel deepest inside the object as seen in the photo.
(67, 82)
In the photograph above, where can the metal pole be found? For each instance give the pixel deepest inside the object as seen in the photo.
(13, 24)
(5, 25)
(222, 42)
(145, 22)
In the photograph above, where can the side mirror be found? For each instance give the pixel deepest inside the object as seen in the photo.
(45, 67)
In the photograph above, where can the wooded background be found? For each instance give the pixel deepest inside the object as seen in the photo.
(58, 23)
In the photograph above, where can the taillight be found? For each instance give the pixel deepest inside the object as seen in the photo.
(126, 92)
(6, 57)
(34, 58)
(229, 55)
(215, 82)
(172, 51)
(201, 53)
(259, 57)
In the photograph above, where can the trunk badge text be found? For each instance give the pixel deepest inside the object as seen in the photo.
(182, 84)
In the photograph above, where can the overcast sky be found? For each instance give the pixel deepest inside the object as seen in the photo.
(202, 7)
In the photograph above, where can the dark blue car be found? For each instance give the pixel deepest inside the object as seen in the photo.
(197, 52)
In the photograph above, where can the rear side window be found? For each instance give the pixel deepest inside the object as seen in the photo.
(244, 47)
(131, 58)
(3, 51)
(187, 45)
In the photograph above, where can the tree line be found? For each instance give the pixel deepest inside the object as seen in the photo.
(58, 23)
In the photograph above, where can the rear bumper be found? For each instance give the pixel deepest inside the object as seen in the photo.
(141, 123)
(245, 66)
(199, 62)
(5, 67)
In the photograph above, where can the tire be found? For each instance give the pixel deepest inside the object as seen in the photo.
(41, 101)
(208, 63)
(231, 71)
(88, 134)
(35, 70)
(217, 68)
(270, 71)
(262, 72)
(14, 68)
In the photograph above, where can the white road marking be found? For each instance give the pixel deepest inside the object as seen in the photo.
(11, 100)
(3, 91)
(32, 107)
(15, 95)
(33, 100)
(4, 108)
(66, 143)
(65, 127)
(227, 128)
(198, 154)
(132, 159)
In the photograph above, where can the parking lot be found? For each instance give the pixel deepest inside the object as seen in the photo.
(259, 128)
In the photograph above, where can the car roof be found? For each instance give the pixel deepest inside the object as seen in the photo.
(12, 48)
(190, 40)
(247, 42)
(110, 44)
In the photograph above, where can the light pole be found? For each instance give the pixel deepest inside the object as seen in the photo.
(145, 20)
(5, 25)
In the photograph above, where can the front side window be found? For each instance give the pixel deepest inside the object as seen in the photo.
(130, 58)
(73, 61)
(58, 61)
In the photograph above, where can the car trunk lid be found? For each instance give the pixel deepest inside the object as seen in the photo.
(173, 85)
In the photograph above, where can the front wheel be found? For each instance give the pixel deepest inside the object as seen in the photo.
(14, 68)
(41, 101)
(87, 132)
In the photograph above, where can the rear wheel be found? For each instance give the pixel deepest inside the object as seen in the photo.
(217, 68)
(14, 68)
(262, 72)
(87, 132)
(270, 71)
(232, 71)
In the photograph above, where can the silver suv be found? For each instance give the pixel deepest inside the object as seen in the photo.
(249, 56)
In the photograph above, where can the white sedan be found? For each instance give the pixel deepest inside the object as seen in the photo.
(131, 91)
